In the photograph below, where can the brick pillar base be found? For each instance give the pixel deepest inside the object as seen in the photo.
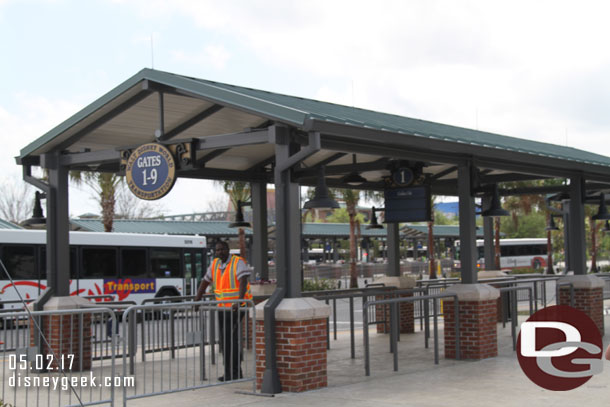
(68, 335)
(588, 297)
(478, 331)
(300, 335)
(260, 292)
(405, 309)
(406, 316)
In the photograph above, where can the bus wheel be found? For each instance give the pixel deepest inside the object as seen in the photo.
(165, 291)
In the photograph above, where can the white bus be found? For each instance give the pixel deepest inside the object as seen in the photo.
(128, 266)
(515, 253)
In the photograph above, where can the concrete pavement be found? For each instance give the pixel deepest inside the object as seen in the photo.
(418, 382)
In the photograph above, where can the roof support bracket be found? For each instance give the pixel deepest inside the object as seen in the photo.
(313, 147)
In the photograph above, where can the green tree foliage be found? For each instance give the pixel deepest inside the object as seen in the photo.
(319, 285)
(105, 185)
(441, 219)
(342, 216)
(531, 225)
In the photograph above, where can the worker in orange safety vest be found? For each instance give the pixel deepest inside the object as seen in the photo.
(229, 275)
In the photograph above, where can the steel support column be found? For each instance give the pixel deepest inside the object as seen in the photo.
(488, 235)
(58, 226)
(565, 204)
(467, 225)
(260, 245)
(577, 244)
(288, 242)
(393, 244)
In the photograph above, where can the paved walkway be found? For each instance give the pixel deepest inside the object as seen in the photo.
(496, 381)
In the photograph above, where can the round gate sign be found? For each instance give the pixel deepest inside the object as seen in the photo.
(151, 171)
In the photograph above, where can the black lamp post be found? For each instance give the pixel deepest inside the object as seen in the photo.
(37, 219)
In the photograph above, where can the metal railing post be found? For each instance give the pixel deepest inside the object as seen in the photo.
(351, 328)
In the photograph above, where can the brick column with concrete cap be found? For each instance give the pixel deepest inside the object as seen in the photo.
(301, 343)
(478, 330)
(259, 292)
(406, 309)
(67, 334)
(588, 296)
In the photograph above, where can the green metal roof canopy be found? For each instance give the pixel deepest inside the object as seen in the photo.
(4, 224)
(208, 229)
(221, 229)
(229, 124)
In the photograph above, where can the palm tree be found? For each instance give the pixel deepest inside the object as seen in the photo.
(594, 228)
(431, 258)
(105, 185)
(351, 198)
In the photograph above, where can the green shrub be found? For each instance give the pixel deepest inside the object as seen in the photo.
(319, 285)
(524, 270)
(3, 404)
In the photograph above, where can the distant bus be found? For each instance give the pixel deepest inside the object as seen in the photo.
(515, 253)
(128, 266)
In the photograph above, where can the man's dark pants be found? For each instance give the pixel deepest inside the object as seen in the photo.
(230, 327)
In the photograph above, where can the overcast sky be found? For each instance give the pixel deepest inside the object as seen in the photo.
(531, 69)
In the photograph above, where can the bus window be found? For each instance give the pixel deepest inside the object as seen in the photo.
(43, 263)
(165, 262)
(98, 263)
(20, 262)
(133, 263)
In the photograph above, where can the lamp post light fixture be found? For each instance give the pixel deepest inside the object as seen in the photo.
(353, 178)
(322, 198)
(602, 212)
(495, 208)
(374, 224)
(37, 220)
(239, 216)
(551, 225)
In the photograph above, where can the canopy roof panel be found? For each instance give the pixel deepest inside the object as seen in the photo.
(209, 112)
(210, 228)
(4, 224)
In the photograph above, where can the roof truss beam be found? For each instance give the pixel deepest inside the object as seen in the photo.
(210, 156)
(444, 173)
(226, 175)
(444, 151)
(225, 141)
(90, 158)
(369, 147)
(327, 161)
(262, 164)
(380, 164)
(187, 124)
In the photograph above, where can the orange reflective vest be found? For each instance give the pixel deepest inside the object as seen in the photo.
(226, 285)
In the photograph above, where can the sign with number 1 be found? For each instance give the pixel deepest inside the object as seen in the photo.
(151, 171)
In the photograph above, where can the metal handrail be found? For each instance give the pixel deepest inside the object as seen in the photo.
(512, 291)
(351, 295)
(394, 326)
(129, 345)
